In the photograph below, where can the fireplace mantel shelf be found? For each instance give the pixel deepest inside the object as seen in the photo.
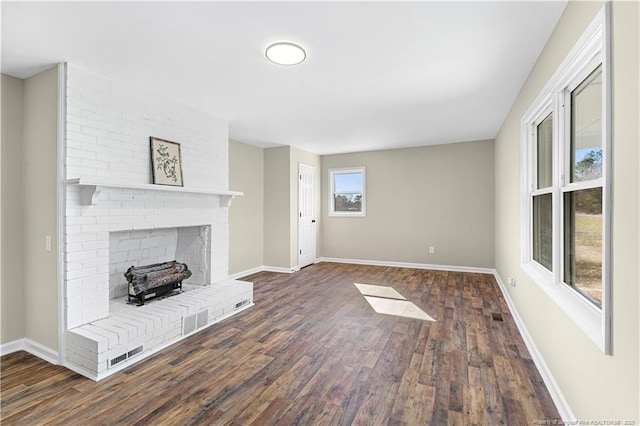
(90, 189)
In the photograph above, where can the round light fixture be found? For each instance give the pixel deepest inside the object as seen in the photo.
(285, 53)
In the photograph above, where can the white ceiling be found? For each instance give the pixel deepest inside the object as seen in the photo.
(378, 75)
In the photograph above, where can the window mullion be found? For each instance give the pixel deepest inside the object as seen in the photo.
(542, 191)
(565, 138)
(587, 184)
(564, 163)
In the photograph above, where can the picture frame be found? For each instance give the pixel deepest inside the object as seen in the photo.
(166, 162)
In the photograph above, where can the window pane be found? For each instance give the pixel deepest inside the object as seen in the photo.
(348, 202)
(583, 242)
(543, 230)
(586, 129)
(545, 152)
(347, 182)
(348, 192)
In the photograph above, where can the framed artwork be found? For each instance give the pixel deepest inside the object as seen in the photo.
(166, 162)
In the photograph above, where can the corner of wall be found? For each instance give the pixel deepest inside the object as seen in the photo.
(40, 188)
(246, 214)
(12, 321)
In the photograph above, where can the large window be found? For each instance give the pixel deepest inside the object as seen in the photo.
(347, 192)
(565, 222)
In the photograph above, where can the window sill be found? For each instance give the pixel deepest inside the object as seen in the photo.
(583, 313)
(347, 215)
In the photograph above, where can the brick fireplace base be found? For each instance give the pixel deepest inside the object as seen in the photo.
(131, 333)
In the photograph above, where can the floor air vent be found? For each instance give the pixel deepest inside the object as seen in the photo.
(135, 351)
(244, 302)
(117, 360)
(124, 356)
(496, 316)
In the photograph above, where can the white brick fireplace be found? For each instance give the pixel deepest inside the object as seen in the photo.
(88, 233)
(109, 198)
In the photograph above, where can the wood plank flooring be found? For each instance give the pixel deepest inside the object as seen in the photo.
(312, 352)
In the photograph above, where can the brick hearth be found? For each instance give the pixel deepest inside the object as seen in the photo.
(110, 344)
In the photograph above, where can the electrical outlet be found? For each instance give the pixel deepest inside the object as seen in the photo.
(432, 250)
(47, 242)
(511, 281)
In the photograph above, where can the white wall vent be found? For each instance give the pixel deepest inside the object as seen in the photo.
(189, 324)
(203, 316)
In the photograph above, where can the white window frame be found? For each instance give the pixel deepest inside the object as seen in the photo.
(591, 50)
(332, 174)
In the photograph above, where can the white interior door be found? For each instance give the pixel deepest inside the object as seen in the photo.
(306, 215)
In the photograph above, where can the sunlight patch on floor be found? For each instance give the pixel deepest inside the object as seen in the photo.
(379, 291)
(400, 308)
(386, 300)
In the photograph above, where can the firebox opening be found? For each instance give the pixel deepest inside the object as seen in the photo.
(189, 245)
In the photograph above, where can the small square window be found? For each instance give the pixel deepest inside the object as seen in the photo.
(347, 192)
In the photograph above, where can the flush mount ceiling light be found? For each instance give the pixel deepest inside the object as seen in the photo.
(285, 53)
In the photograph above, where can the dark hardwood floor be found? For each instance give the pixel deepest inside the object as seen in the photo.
(312, 351)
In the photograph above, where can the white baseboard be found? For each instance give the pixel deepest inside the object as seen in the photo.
(11, 347)
(552, 386)
(263, 268)
(281, 270)
(450, 268)
(31, 346)
(41, 351)
(245, 273)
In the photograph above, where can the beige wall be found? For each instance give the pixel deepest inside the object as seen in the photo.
(596, 386)
(246, 220)
(440, 196)
(280, 213)
(277, 211)
(39, 173)
(12, 286)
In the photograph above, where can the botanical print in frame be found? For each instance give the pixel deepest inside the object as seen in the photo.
(166, 163)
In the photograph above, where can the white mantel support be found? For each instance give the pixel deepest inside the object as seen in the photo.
(90, 190)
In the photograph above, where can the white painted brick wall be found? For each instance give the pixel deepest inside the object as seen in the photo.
(137, 248)
(108, 125)
(194, 249)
